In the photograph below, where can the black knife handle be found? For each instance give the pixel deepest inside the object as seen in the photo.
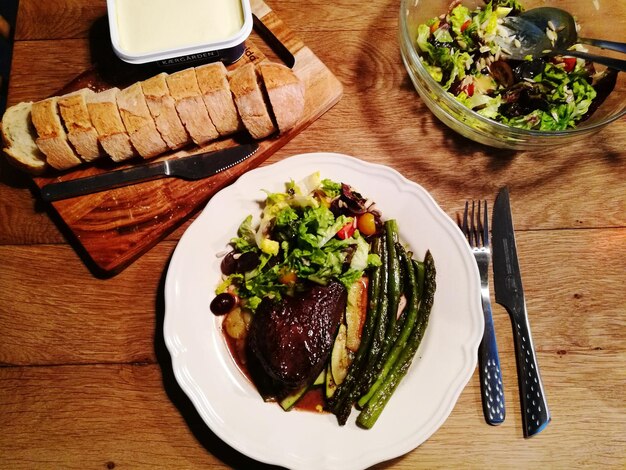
(535, 413)
(102, 182)
(270, 38)
(490, 373)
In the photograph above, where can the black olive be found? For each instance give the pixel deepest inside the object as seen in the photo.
(235, 262)
(528, 69)
(229, 264)
(223, 303)
(247, 261)
(456, 87)
(522, 99)
(502, 73)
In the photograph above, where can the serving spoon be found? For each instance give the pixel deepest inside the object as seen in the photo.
(530, 30)
(563, 23)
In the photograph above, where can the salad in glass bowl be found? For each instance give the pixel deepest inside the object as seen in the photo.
(467, 52)
(458, 56)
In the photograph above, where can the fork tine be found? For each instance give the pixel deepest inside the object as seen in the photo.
(473, 232)
(485, 226)
(479, 226)
(464, 226)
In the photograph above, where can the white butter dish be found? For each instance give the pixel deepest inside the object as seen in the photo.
(172, 33)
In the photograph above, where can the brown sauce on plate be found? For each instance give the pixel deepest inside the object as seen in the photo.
(313, 400)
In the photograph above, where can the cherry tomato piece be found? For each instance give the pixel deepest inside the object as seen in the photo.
(465, 25)
(434, 26)
(367, 224)
(570, 63)
(288, 277)
(346, 231)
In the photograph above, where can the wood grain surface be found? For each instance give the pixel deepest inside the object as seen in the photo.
(86, 381)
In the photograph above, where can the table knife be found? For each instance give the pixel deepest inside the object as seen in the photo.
(193, 167)
(510, 294)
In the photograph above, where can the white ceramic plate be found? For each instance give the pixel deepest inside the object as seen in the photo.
(229, 403)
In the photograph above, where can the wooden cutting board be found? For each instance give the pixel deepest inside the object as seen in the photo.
(113, 228)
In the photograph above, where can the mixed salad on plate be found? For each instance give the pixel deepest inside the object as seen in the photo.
(321, 295)
(466, 52)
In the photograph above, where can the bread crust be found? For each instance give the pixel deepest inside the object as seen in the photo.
(286, 94)
(107, 122)
(152, 117)
(18, 136)
(52, 138)
(190, 106)
(213, 83)
(139, 123)
(250, 102)
(80, 130)
(163, 110)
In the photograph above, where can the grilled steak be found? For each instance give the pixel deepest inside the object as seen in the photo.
(290, 341)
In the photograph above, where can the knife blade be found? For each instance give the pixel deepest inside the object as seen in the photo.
(509, 293)
(193, 167)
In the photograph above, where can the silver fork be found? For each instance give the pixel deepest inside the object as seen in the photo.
(477, 233)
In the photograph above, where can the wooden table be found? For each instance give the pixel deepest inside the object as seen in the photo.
(85, 379)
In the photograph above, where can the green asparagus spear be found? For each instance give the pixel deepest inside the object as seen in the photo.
(395, 285)
(367, 418)
(359, 373)
(341, 394)
(407, 326)
(387, 317)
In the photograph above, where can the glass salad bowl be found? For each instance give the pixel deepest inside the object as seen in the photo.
(592, 17)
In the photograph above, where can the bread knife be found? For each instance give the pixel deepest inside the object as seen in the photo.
(193, 167)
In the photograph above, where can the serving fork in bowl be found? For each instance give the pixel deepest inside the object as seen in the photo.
(475, 227)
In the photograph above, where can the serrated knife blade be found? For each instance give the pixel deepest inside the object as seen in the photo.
(193, 167)
(509, 293)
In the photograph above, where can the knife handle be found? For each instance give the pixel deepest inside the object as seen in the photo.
(535, 413)
(101, 182)
(490, 373)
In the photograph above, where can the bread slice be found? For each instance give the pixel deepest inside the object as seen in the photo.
(184, 89)
(80, 130)
(18, 135)
(213, 83)
(250, 101)
(286, 94)
(52, 138)
(107, 121)
(139, 123)
(163, 110)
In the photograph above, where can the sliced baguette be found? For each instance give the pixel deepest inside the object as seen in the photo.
(18, 135)
(80, 130)
(52, 138)
(213, 83)
(250, 101)
(193, 113)
(139, 123)
(163, 110)
(286, 94)
(107, 121)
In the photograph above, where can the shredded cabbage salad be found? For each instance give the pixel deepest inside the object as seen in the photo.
(463, 51)
(302, 237)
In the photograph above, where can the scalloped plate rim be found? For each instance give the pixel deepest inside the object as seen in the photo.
(211, 405)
